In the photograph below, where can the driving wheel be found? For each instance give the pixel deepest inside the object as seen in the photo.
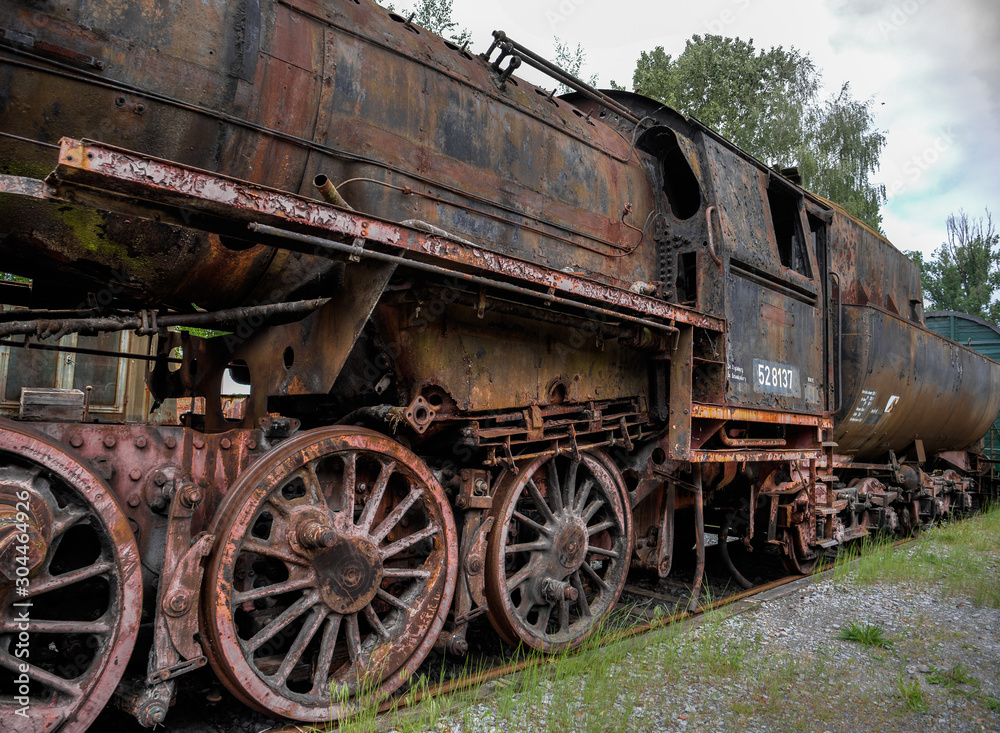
(558, 554)
(332, 573)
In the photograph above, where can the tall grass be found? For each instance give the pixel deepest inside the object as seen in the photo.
(961, 556)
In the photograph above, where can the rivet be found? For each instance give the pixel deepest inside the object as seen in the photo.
(109, 441)
(252, 444)
(135, 474)
(199, 443)
(76, 441)
(133, 500)
(140, 442)
(226, 443)
(134, 526)
(170, 442)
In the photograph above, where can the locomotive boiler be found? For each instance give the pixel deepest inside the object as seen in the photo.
(499, 349)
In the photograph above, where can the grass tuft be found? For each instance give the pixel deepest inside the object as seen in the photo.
(957, 675)
(867, 635)
(913, 695)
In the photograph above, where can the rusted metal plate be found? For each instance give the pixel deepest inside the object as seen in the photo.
(494, 363)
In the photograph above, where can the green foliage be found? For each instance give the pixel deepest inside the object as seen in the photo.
(767, 103)
(964, 272)
(867, 635)
(435, 16)
(571, 61)
(957, 675)
(913, 696)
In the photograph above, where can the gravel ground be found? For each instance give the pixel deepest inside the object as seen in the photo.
(774, 663)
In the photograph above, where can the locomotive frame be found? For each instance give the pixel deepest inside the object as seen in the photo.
(460, 406)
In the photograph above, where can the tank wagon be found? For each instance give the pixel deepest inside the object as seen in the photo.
(524, 345)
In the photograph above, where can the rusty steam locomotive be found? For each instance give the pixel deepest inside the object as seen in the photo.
(525, 344)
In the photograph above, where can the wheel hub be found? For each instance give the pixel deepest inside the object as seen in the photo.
(570, 544)
(25, 528)
(350, 573)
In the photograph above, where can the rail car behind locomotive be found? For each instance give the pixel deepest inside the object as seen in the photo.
(525, 345)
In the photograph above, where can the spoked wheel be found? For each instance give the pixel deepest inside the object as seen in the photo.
(333, 571)
(558, 555)
(69, 610)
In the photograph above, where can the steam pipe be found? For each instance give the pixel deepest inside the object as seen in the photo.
(329, 192)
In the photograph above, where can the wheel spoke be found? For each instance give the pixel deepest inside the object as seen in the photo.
(376, 623)
(386, 525)
(287, 616)
(47, 626)
(327, 647)
(591, 531)
(392, 600)
(277, 501)
(67, 519)
(602, 551)
(594, 576)
(518, 578)
(527, 547)
(581, 595)
(38, 674)
(396, 547)
(375, 497)
(584, 495)
(592, 509)
(540, 501)
(563, 615)
(50, 583)
(541, 529)
(313, 489)
(258, 547)
(350, 482)
(554, 489)
(353, 635)
(272, 590)
(571, 483)
(294, 653)
(405, 573)
(543, 618)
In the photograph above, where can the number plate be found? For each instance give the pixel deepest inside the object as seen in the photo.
(772, 378)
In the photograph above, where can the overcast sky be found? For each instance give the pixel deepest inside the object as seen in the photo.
(931, 67)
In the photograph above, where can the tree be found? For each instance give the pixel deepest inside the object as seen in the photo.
(435, 16)
(571, 61)
(963, 274)
(767, 103)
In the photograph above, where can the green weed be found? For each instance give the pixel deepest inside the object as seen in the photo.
(912, 695)
(867, 635)
(957, 675)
